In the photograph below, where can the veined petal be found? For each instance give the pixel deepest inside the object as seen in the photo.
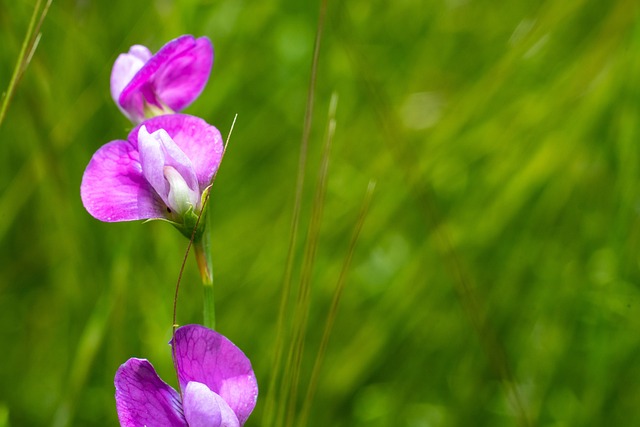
(205, 356)
(198, 140)
(114, 189)
(204, 408)
(143, 399)
(174, 76)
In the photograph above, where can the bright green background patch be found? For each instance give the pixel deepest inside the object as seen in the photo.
(499, 256)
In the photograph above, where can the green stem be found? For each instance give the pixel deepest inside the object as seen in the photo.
(202, 250)
(209, 312)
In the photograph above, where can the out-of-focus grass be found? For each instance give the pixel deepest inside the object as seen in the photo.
(512, 129)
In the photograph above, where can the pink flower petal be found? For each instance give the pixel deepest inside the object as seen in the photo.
(114, 189)
(125, 67)
(184, 77)
(143, 399)
(175, 77)
(201, 142)
(203, 355)
(204, 408)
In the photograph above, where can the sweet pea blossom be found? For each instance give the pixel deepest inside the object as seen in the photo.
(218, 386)
(144, 85)
(162, 171)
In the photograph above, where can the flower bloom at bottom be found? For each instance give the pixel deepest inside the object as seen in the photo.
(217, 383)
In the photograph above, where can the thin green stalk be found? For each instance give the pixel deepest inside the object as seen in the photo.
(333, 311)
(270, 400)
(301, 316)
(202, 249)
(29, 45)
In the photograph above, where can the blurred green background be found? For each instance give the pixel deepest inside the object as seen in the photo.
(495, 282)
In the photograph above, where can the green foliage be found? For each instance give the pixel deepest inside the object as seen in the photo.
(495, 280)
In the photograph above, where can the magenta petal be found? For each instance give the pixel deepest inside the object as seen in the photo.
(125, 67)
(204, 408)
(203, 355)
(174, 76)
(113, 187)
(201, 142)
(182, 79)
(143, 399)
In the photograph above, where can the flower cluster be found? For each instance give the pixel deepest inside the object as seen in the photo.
(164, 170)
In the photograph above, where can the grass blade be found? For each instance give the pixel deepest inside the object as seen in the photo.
(270, 401)
(29, 45)
(333, 310)
(301, 314)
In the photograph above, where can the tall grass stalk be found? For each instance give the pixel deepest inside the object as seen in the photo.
(29, 45)
(282, 329)
(333, 310)
(291, 376)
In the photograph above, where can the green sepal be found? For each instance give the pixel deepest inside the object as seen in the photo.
(190, 219)
(175, 224)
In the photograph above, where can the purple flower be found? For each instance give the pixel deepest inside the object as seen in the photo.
(162, 171)
(145, 85)
(218, 386)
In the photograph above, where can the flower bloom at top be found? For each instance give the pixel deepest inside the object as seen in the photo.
(144, 85)
(218, 386)
(162, 171)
